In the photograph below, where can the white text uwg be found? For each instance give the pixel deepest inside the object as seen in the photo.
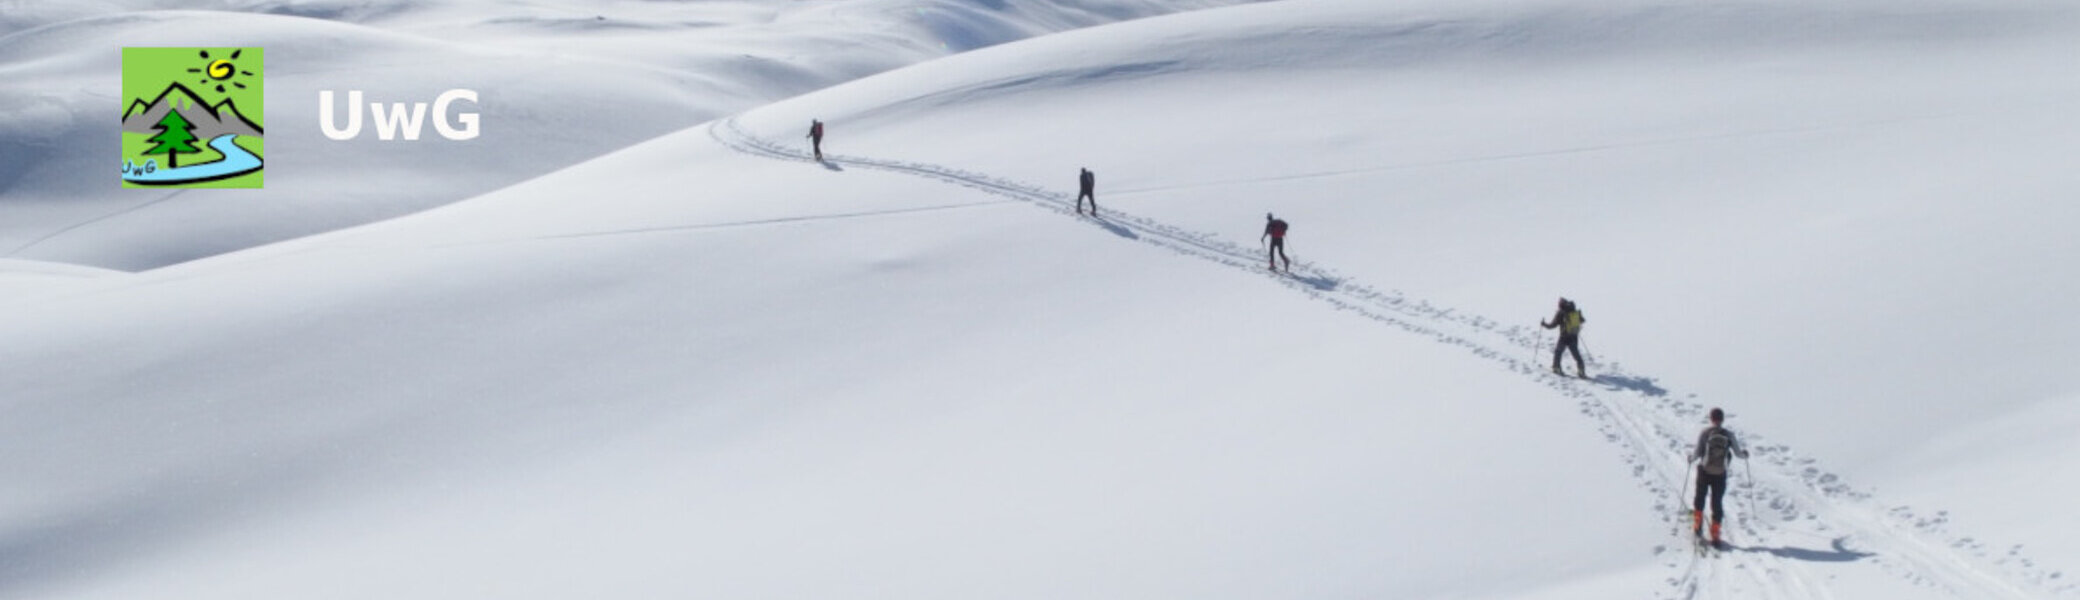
(398, 117)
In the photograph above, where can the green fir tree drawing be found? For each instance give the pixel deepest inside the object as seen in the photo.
(176, 137)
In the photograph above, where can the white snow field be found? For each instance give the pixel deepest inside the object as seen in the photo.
(707, 366)
(558, 83)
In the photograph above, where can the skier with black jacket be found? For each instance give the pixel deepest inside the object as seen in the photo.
(816, 137)
(1086, 184)
(1569, 319)
(1716, 447)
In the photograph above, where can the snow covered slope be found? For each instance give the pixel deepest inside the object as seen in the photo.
(707, 366)
(558, 83)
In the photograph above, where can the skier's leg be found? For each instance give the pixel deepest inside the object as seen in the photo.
(1697, 505)
(1574, 346)
(1702, 481)
(1718, 499)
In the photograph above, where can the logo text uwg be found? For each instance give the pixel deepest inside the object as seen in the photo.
(399, 118)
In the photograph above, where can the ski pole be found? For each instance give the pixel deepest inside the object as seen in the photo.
(1683, 500)
(1749, 470)
(1538, 342)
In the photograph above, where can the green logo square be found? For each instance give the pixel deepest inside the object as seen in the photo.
(193, 117)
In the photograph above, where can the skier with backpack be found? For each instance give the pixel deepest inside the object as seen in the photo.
(816, 137)
(1087, 184)
(1275, 229)
(1716, 447)
(1569, 319)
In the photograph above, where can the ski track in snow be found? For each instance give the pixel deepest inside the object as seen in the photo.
(1785, 514)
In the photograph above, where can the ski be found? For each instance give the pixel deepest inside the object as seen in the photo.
(1707, 546)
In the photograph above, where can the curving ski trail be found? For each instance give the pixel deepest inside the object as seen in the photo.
(1786, 515)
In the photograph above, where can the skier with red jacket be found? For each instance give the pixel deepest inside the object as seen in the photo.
(1275, 229)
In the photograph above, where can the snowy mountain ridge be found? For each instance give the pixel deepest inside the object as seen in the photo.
(705, 364)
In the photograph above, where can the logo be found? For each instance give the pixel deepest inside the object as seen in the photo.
(193, 117)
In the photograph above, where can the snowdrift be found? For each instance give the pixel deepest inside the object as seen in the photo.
(707, 365)
(560, 84)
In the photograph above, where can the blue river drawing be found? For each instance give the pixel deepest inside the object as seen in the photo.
(237, 161)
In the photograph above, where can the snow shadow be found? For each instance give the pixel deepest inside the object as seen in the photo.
(81, 540)
(1116, 229)
(1645, 386)
(831, 165)
(1838, 553)
(1326, 284)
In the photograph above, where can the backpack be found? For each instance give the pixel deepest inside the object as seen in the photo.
(1718, 448)
(1278, 228)
(1570, 319)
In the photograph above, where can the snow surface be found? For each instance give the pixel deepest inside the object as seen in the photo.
(704, 365)
(559, 83)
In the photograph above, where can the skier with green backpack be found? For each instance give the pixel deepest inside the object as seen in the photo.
(1716, 447)
(1569, 319)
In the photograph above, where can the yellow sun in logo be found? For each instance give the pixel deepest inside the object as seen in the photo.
(221, 71)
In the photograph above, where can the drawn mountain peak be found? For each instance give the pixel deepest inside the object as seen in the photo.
(174, 92)
(208, 120)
